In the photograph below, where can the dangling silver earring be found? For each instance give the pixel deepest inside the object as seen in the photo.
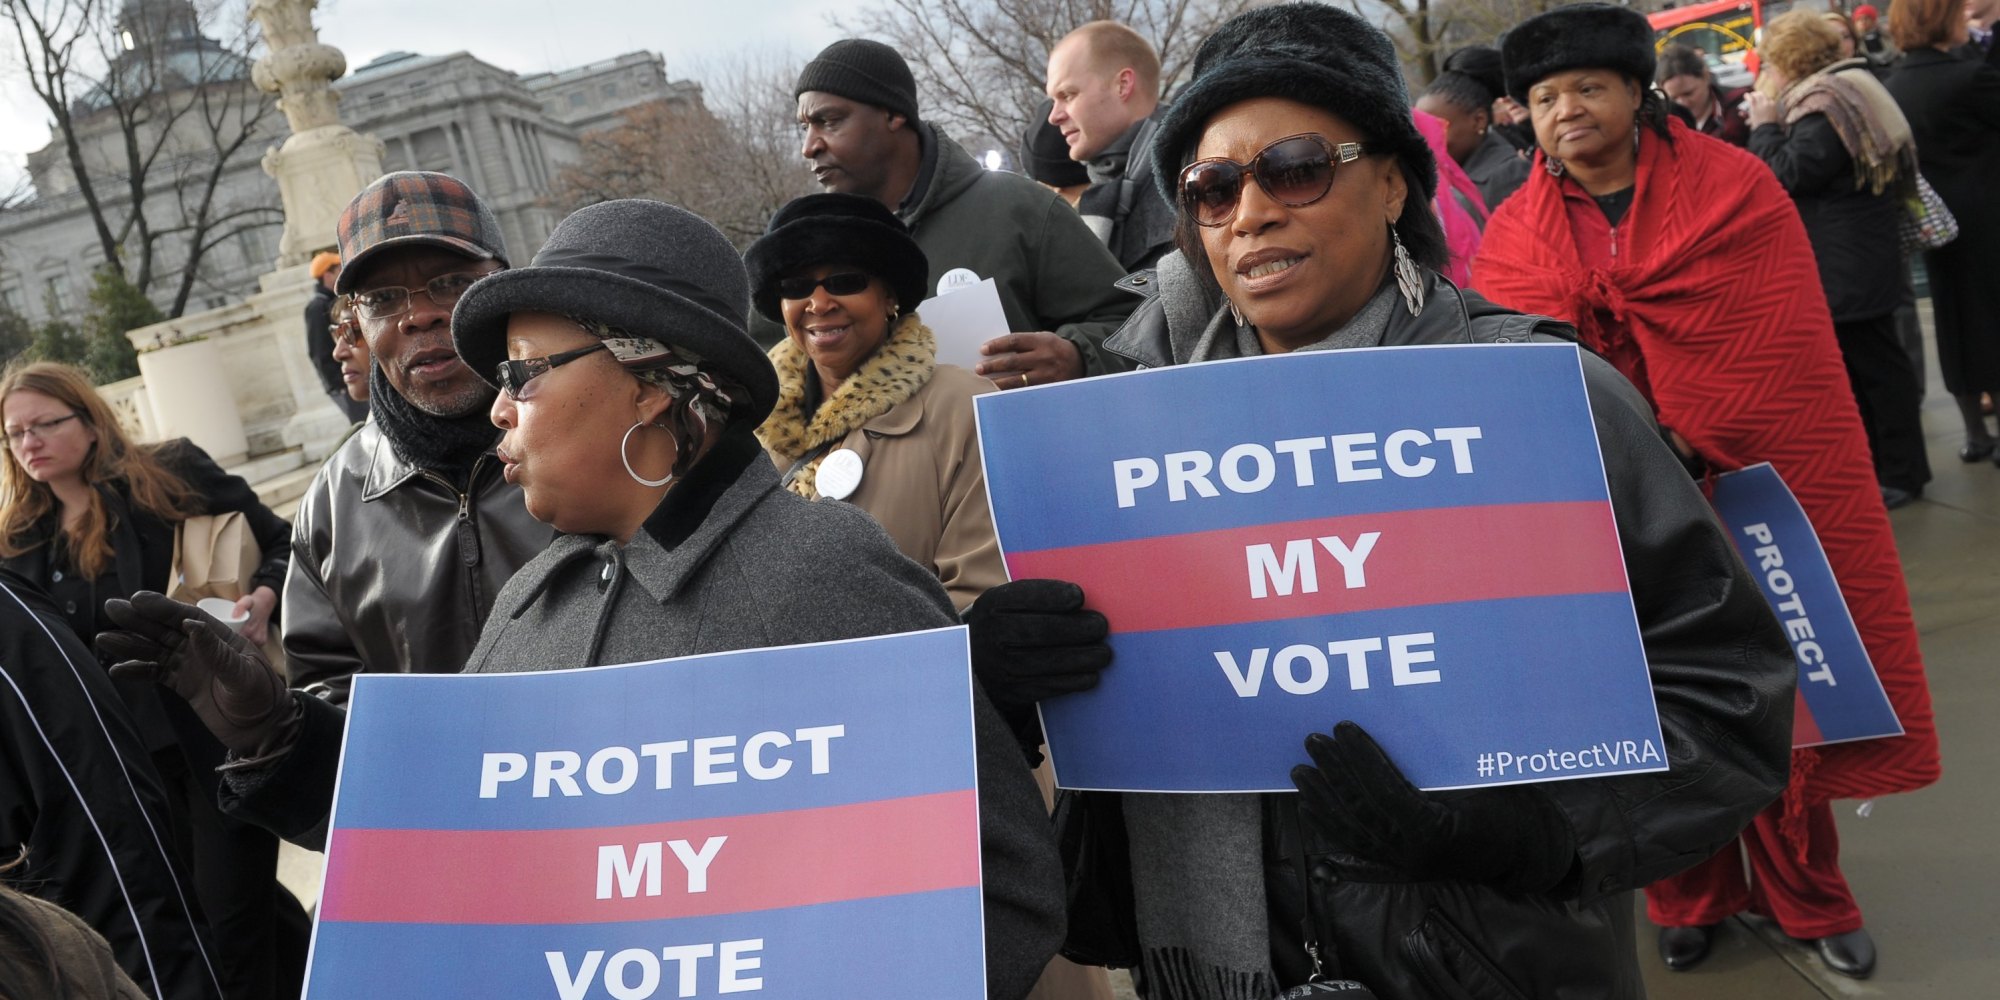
(1635, 138)
(1552, 165)
(1236, 314)
(636, 477)
(1409, 280)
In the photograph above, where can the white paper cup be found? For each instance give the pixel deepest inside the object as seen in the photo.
(224, 611)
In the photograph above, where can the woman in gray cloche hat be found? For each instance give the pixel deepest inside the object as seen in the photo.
(1304, 194)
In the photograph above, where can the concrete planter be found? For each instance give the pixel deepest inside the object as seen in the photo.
(190, 397)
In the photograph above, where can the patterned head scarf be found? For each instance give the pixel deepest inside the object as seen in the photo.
(703, 398)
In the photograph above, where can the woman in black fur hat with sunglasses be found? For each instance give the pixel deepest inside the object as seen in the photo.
(1304, 194)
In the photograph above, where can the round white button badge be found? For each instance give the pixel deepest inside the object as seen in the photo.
(957, 278)
(839, 474)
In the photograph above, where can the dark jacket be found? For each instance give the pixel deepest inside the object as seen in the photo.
(1123, 204)
(78, 790)
(1727, 121)
(394, 568)
(319, 340)
(1851, 229)
(1723, 677)
(731, 560)
(1497, 168)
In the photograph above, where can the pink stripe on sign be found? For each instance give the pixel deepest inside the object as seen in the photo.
(1420, 557)
(768, 861)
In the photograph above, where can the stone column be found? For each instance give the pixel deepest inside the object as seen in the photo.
(323, 164)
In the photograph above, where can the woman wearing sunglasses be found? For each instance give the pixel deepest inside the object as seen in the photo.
(629, 392)
(1683, 262)
(865, 413)
(1304, 196)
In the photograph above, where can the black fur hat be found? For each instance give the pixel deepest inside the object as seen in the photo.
(1307, 52)
(836, 229)
(1482, 64)
(1584, 36)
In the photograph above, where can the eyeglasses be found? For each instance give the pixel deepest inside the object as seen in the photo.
(514, 376)
(394, 300)
(39, 429)
(1296, 171)
(842, 283)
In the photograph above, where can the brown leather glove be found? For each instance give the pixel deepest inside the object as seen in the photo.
(236, 692)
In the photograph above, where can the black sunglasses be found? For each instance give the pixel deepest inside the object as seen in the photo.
(514, 376)
(841, 283)
(1296, 171)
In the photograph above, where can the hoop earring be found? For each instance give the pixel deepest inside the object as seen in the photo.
(1235, 313)
(1409, 280)
(637, 478)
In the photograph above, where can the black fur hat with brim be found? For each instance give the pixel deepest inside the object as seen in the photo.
(1583, 36)
(844, 229)
(645, 267)
(1307, 52)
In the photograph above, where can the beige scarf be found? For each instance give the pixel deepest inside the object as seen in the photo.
(894, 373)
(1866, 118)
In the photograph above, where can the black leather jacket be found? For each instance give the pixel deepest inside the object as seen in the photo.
(1723, 677)
(394, 569)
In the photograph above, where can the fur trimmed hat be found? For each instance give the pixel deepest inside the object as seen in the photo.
(1308, 52)
(1583, 36)
(645, 267)
(836, 229)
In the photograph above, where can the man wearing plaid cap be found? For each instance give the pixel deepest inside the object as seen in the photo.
(409, 530)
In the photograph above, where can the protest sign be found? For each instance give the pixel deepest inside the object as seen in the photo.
(1416, 539)
(1840, 699)
(963, 319)
(801, 821)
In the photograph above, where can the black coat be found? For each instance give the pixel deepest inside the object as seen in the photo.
(319, 341)
(1954, 109)
(79, 791)
(1852, 230)
(1722, 674)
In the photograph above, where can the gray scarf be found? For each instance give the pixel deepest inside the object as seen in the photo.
(1198, 860)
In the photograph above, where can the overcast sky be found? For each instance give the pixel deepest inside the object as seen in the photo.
(527, 36)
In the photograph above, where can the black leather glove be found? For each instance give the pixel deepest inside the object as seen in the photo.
(1512, 837)
(236, 692)
(1034, 639)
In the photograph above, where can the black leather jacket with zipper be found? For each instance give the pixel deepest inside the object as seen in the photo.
(394, 568)
(1722, 675)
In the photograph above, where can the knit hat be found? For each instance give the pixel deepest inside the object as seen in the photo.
(836, 229)
(865, 70)
(1045, 156)
(1867, 10)
(1481, 63)
(1584, 36)
(1312, 53)
(645, 267)
(322, 262)
(415, 208)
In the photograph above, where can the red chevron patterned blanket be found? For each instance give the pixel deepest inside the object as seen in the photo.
(1706, 296)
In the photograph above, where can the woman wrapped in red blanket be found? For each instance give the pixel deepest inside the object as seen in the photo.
(1682, 261)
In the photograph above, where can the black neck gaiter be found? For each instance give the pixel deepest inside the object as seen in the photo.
(447, 446)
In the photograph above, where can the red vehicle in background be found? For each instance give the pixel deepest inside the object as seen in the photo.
(1725, 31)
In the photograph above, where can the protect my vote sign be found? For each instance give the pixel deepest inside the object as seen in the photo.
(786, 822)
(1840, 699)
(1416, 539)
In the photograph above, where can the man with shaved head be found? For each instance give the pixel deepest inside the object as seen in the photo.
(1104, 80)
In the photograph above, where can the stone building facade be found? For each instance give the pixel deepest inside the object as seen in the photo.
(505, 134)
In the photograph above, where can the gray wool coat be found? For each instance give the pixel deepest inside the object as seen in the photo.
(732, 561)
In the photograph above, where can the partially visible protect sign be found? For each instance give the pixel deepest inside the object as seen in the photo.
(785, 822)
(1840, 699)
(1416, 539)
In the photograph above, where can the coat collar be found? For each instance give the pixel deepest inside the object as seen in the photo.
(699, 513)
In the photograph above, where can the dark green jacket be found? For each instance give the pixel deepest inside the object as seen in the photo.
(1053, 273)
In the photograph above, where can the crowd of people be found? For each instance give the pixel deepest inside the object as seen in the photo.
(639, 443)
